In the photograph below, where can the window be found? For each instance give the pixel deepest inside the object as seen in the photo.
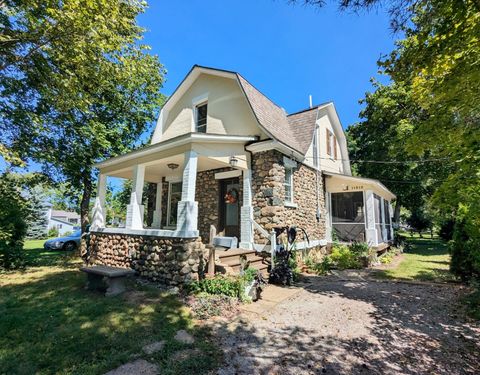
(201, 118)
(174, 196)
(288, 184)
(331, 145)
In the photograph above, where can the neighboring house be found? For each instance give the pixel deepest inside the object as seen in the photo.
(224, 154)
(63, 221)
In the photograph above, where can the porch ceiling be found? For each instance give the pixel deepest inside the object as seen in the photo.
(155, 171)
(214, 151)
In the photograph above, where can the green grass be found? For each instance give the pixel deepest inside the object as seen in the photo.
(51, 325)
(36, 256)
(426, 260)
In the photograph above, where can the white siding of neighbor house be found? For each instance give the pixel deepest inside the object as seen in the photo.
(228, 110)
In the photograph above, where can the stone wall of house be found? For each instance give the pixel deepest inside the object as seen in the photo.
(268, 178)
(171, 261)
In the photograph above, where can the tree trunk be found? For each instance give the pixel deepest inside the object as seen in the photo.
(85, 202)
(396, 212)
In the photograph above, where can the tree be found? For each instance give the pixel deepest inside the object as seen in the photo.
(15, 209)
(376, 145)
(37, 222)
(438, 60)
(76, 85)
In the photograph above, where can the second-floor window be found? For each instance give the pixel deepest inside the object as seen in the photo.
(201, 118)
(331, 145)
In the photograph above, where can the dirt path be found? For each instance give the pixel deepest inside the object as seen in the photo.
(336, 326)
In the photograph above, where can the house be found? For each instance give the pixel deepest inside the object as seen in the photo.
(224, 154)
(63, 221)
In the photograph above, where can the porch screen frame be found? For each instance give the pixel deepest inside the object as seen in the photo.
(363, 222)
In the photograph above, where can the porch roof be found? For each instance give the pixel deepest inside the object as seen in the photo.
(214, 150)
(337, 183)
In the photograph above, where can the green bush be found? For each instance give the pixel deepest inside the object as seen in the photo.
(465, 252)
(52, 232)
(14, 209)
(387, 257)
(343, 258)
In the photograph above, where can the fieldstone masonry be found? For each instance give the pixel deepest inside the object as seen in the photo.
(171, 261)
(268, 201)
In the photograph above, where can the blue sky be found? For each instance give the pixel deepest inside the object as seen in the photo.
(286, 51)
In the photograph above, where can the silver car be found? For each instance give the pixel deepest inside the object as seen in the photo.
(67, 243)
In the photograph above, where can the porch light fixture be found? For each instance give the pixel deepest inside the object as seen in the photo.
(172, 166)
(233, 161)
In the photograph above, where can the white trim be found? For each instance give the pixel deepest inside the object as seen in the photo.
(287, 162)
(275, 145)
(173, 179)
(200, 99)
(309, 245)
(228, 174)
(175, 142)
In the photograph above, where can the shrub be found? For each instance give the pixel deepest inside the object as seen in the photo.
(53, 232)
(14, 209)
(465, 252)
(219, 284)
(343, 258)
(387, 257)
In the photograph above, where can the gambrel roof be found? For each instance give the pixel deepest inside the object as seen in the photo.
(295, 130)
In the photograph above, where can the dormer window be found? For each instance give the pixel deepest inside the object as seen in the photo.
(201, 118)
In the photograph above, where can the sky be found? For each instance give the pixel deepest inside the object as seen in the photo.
(288, 52)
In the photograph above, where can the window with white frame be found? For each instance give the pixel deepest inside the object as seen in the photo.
(174, 196)
(201, 117)
(331, 145)
(288, 184)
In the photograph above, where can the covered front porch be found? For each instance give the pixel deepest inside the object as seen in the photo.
(359, 210)
(182, 169)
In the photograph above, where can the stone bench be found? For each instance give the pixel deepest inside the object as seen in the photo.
(113, 277)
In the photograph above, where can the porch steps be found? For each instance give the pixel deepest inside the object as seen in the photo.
(231, 259)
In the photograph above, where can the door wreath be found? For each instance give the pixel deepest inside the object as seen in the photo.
(231, 196)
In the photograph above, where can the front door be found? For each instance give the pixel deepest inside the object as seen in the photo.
(230, 207)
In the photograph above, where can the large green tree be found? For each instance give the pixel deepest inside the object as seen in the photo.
(76, 85)
(376, 145)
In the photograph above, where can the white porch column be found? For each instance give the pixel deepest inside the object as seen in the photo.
(99, 214)
(187, 214)
(370, 230)
(384, 225)
(328, 216)
(246, 211)
(135, 208)
(157, 214)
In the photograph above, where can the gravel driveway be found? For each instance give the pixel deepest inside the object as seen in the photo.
(336, 326)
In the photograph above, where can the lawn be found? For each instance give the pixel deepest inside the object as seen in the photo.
(51, 325)
(426, 260)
